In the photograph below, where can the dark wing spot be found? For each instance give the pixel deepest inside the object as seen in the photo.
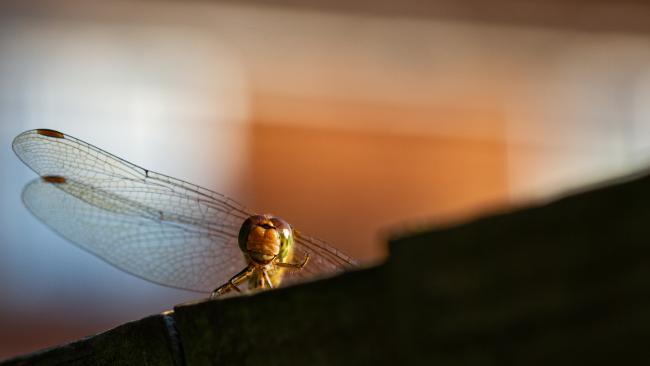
(50, 133)
(56, 179)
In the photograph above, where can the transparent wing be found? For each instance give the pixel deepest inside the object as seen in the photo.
(133, 239)
(324, 260)
(53, 154)
(109, 196)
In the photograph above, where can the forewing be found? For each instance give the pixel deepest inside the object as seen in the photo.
(133, 238)
(53, 154)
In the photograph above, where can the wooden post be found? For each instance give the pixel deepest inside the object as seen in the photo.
(563, 283)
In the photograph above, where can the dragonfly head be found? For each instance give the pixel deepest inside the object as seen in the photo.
(264, 238)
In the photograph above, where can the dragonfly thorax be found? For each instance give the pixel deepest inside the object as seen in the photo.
(265, 238)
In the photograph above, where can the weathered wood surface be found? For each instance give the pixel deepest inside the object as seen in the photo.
(145, 342)
(563, 283)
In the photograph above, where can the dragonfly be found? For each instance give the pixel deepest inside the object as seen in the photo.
(163, 229)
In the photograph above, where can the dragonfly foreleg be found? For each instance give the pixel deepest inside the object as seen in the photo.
(294, 265)
(267, 278)
(233, 282)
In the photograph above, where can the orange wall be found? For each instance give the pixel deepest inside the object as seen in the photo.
(346, 186)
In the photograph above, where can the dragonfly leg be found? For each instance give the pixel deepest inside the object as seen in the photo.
(233, 282)
(294, 265)
(267, 278)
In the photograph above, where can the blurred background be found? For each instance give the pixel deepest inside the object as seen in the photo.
(350, 120)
